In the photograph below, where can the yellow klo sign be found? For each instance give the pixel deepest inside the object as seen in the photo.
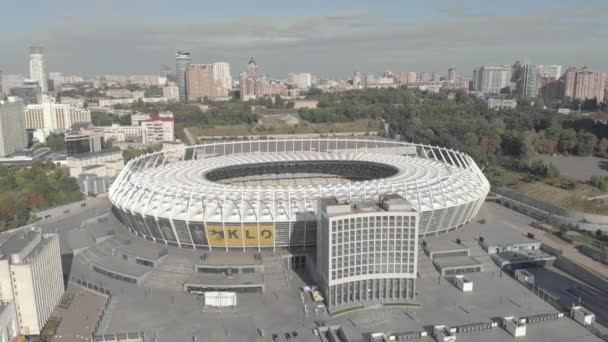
(235, 235)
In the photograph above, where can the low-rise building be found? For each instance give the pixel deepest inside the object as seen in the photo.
(84, 140)
(103, 164)
(498, 104)
(157, 128)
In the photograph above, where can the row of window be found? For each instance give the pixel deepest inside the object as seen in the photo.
(371, 290)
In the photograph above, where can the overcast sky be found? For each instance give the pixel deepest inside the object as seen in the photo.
(332, 38)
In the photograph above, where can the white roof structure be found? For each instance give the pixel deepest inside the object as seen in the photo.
(430, 178)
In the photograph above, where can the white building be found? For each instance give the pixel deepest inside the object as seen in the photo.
(13, 136)
(502, 104)
(302, 80)
(171, 91)
(31, 276)
(120, 133)
(54, 116)
(102, 164)
(222, 77)
(550, 71)
(490, 79)
(8, 322)
(157, 128)
(364, 248)
(38, 68)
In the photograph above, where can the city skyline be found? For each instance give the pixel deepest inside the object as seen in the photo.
(332, 41)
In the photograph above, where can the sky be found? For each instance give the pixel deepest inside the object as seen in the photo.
(330, 38)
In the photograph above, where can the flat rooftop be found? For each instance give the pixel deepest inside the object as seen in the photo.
(147, 251)
(16, 242)
(459, 261)
(433, 245)
(117, 265)
(78, 320)
(221, 279)
(217, 258)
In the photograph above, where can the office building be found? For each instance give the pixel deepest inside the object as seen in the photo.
(84, 140)
(182, 60)
(38, 67)
(13, 136)
(528, 83)
(28, 91)
(583, 84)
(200, 82)
(222, 77)
(435, 77)
(54, 116)
(31, 276)
(491, 79)
(550, 71)
(366, 251)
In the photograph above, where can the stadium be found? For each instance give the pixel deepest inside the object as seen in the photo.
(260, 194)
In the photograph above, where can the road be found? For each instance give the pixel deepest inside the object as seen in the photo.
(568, 250)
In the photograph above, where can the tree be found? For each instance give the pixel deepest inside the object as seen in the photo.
(552, 171)
(56, 142)
(585, 143)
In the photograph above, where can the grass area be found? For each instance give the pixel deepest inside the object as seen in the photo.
(348, 309)
(67, 299)
(550, 190)
(402, 304)
(363, 125)
(50, 328)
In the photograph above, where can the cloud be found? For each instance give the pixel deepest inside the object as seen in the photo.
(332, 44)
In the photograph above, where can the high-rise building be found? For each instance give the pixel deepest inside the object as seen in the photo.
(435, 77)
(550, 71)
(200, 82)
(528, 86)
(583, 84)
(13, 136)
(222, 77)
(182, 60)
(425, 77)
(252, 67)
(38, 67)
(358, 80)
(1, 88)
(171, 91)
(491, 79)
(302, 80)
(54, 116)
(381, 255)
(551, 89)
(412, 77)
(31, 276)
(452, 74)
